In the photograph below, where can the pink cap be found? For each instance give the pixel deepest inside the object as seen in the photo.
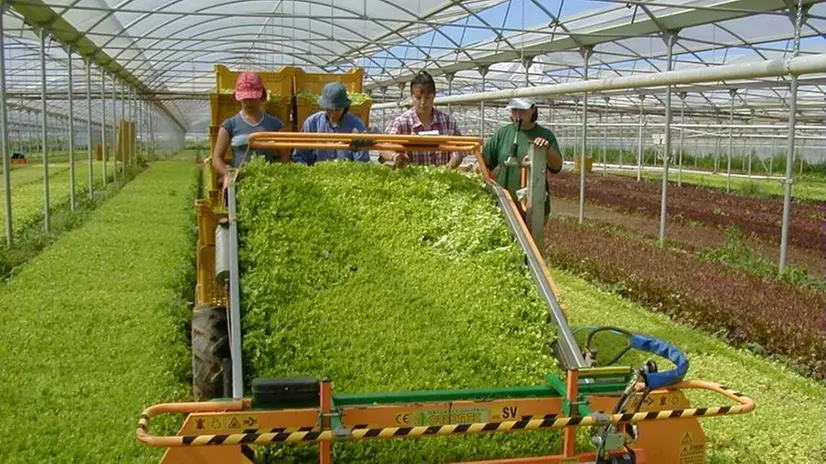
(248, 86)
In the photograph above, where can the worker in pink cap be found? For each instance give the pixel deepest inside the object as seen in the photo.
(235, 131)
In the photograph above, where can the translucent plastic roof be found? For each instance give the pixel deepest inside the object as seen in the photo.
(169, 48)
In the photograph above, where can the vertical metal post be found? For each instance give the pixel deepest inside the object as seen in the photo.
(383, 111)
(527, 63)
(621, 140)
(682, 133)
(670, 38)
(235, 302)
(745, 145)
(71, 134)
(732, 93)
(787, 190)
(774, 153)
(575, 129)
(103, 124)
(586, 54)
(89, 126)
(483, 70)
(133, 107)
(604, 121)
(449, 76)
(116, 133)
(4, 136)
(538, 160)
(44, 133)
(123, 138)
(151, 115)
(639, 140)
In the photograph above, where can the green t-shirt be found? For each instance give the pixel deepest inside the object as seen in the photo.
(497, 149)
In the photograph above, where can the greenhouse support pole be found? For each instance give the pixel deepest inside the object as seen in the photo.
(151, 130)
(116, 133)
(383, 111)
(621, 141)
(745, 145)
(4, 136)
(44, 133)
(639, 141)
(89, 126)
(586, 54)
(605, 139)
(682, 133)
(670, 39)
(449, 76)
(787, 185)
(732, 93)
(72, 204)
(134, 132)
(103, 123)
(483, 70)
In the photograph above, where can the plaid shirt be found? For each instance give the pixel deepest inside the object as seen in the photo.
(409, 123)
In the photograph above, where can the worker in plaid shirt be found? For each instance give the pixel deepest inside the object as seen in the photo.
(423, 119)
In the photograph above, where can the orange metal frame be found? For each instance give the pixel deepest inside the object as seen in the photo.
(224, 427)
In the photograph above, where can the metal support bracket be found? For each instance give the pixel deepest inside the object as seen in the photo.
(537, 193)
(483, 70)
(670, 37)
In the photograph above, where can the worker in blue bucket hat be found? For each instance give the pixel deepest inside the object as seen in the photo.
(333, 117)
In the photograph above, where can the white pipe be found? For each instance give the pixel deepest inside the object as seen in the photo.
(770, 68)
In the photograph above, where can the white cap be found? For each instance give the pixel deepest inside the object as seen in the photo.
(521, 104)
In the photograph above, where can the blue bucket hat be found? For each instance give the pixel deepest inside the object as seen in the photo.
(334, 96)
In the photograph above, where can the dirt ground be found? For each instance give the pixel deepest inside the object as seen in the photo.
(695, 237)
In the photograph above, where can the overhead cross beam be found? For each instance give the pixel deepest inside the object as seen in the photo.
(38, 15)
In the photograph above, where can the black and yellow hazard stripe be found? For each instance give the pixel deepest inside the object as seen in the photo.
(549, 422)
(361, 432)
(247, 455)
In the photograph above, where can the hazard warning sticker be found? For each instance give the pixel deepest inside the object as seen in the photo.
(691, 452)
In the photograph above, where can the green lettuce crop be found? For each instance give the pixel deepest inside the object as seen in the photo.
(384, 281)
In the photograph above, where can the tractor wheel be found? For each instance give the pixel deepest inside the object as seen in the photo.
(210, 346)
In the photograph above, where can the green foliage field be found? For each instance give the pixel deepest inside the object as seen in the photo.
(90, 332)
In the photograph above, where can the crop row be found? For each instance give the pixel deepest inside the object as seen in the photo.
(385, 281)
(34, 173)
(89, 337)
(27, 199)
(762, 313)
(761, 216)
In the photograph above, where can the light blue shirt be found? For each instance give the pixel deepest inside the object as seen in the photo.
(239, 131)
(318, 122)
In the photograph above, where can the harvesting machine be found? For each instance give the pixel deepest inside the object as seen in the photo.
(638, 414)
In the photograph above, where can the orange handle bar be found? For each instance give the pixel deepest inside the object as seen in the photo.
(744, 405)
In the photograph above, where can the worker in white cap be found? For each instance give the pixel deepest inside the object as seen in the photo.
(524, 130)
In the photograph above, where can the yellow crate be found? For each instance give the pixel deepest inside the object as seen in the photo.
(280, 82)
(315, 82)
(213, 136)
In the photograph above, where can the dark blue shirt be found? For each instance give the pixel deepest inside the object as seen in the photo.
(319, 122)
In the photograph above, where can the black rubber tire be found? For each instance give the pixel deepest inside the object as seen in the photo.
(210, 345)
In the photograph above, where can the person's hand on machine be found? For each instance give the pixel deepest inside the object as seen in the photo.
(226, 180)
(541, 142)
(400, 160)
